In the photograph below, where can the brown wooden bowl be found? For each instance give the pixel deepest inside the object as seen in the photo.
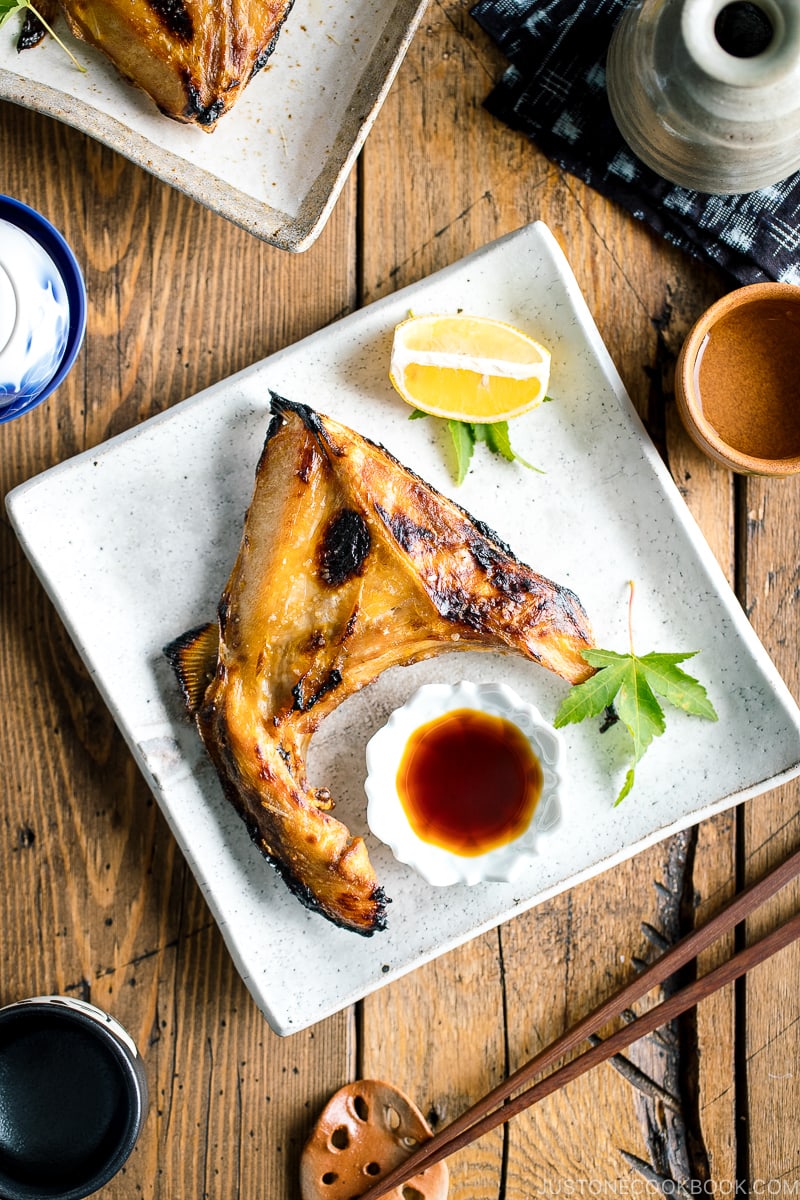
(737, 380)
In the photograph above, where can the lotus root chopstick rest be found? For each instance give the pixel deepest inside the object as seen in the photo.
(365, 1130)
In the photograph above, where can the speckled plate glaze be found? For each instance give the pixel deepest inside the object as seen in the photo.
(134, 541)
(277, 162)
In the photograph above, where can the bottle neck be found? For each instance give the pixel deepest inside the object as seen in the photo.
(745, 44)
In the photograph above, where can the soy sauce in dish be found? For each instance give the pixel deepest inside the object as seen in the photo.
(65, 1106)
(469, 782)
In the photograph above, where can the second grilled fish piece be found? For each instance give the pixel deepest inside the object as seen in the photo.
(193, 57)
(349, 564)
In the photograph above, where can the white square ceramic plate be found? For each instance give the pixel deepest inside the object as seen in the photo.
(276, 163)
(134, 541)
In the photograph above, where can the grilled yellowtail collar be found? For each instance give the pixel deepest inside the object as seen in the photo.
(349, 564)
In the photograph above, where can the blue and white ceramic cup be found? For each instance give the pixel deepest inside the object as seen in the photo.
(73, 1098)
(42, 308)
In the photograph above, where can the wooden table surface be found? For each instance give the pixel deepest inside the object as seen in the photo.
(97, 902)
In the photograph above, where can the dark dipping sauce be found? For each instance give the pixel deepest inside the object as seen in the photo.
(64, 1104)
(748, 379)
(469, 782)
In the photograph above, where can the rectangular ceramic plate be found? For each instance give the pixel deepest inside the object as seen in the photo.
(134, 541)
(276, 163)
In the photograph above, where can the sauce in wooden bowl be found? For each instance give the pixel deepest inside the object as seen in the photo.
(737, 380)
(754, 353)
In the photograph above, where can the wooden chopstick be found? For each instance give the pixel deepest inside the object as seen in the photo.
(670, 1008)
(480, 1118)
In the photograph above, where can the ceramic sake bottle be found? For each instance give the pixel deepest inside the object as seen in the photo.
(707, 93)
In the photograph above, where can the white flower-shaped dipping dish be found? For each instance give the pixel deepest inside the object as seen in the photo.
(386, 813)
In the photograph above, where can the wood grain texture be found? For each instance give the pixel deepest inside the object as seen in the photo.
(97, 901)
(771, 570)
(439, 1035)
(560, 961)
(710, 495)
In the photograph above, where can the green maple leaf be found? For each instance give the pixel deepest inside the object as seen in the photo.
(631, 685)
(9, 7)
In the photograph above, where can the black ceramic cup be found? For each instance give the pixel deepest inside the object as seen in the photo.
(73, 1098)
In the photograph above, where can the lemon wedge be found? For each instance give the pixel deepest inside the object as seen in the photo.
(468, 368)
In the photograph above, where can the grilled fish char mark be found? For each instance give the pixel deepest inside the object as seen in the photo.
(175, 17)
(349, 564)
(33, 30)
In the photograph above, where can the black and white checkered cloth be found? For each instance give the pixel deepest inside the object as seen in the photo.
(554, 91)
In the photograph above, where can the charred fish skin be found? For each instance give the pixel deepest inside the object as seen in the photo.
(349, 563)
(33, 30)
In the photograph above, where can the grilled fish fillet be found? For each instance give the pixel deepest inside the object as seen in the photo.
(349, 564)
(194, 58)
